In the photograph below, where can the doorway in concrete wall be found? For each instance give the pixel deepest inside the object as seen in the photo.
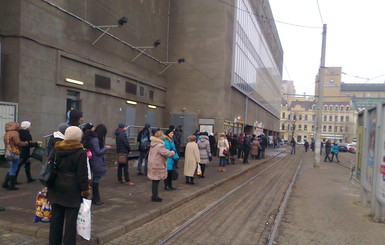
(73, 102)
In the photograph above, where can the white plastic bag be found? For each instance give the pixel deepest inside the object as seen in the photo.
(89, 169)
(83, 225)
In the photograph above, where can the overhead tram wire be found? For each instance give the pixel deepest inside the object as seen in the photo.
(364, 78)
(115, 15)
(319, 11)
(268, 19)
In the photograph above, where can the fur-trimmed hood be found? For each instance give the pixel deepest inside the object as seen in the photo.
(155, 140)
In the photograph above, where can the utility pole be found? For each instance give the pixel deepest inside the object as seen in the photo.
(320, 101)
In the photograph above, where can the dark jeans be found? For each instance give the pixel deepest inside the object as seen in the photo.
(292, 149)
(327, 153)
(155, 185)
(335, 154)
(262, 153)
(61, 215)
(246, 156)
(240, 150)
(142, 156)
(124, 168)
(27, 166)
(203, 168)
(168, 180)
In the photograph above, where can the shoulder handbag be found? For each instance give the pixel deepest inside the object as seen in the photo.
(48, 173)
(122, 158)
(38, 153)
(10, 154)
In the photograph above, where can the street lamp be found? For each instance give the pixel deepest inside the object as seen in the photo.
(121, 22)
(144, 48)
(169, 64)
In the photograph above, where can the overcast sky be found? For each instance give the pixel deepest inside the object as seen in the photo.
(355, 39)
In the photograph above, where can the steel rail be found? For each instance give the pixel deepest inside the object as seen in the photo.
(200, 214)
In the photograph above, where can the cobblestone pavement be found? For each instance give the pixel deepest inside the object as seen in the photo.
(11, 238)
(243, 218)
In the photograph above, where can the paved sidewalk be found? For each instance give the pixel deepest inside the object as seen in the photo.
(125, 208)
(324, 208)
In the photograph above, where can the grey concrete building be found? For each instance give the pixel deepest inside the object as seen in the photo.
(57, 54)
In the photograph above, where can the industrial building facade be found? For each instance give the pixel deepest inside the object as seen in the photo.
(209, 65)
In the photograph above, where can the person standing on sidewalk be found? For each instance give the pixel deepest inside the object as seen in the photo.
(255, 147)
(178, 133)
(246, 148)
(328, 148)
(169, 145)
(292, 143)
(96, 143)
(25, 135)
(123, 147)
(306, 145)
(144, 146)
(157, 166)
(233, 147)
(69, 187)
(240, 146)
(204, 152)
(12, 142)
(335, 151)
(192, 158)
(213, 144)
(223, 145)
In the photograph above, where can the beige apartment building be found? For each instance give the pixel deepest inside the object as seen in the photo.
(342, 101)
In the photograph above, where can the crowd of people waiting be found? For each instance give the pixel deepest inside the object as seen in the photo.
(78, 151)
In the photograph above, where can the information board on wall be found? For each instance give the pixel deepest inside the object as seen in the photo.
(372, 120)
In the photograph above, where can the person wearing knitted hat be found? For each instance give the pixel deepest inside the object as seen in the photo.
(123, 149)
(56, 136)
(169, 145)
(157, 168)
(69, 187)
(76, 118)
(25, 135)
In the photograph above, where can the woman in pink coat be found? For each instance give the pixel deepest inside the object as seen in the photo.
(157, 168)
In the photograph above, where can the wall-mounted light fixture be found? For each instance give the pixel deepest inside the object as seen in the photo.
(69, 80)
(151, 106)
(121, 22)
(131, 102)
(144, 48)
(180, 60)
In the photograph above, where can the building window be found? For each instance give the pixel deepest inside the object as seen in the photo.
(347, 108)
(347, 118)
(341, 129)
(330, 108)
(313, 117)
(324, 128)
(295, 117)
(288, 127)
(342, 108)
(342, 118)
(330, 128)
(325, 118)
(283, 114)
(331, 81)
(325, 107)
(300, 127)
(305, 127)
(300, 117)
(312, 127)
(330, 118)
(305, 117)
(336, 108)
(289, 116)
(141, 91)
(131, 88)
(151, 94)
(283, 126)
(336, 118)
(102, 82)
(335, 129)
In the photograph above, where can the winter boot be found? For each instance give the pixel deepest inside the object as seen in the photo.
(12, 181)
(28, 172)
(187, 180)
(95, 194)
(192, 181)
(6, 181)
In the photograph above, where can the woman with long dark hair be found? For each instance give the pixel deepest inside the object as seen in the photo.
(97, 162)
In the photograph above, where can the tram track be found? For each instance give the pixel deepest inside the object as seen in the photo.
(239, 212)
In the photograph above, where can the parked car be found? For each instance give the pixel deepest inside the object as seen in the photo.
(351, 148)
(343, 147)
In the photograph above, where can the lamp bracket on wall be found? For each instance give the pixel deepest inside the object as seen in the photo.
(106, 28)
(142, 49)
(169, 64)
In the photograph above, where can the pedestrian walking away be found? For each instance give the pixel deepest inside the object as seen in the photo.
(25, 135)
(292, 143)
(246, 148)
(157, 169)
(123, 148)
(328, 148)
(335, 151)
(233, 141)
(12, 143)
(306, 145)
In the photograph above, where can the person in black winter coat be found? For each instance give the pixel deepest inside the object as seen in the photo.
(213, 144)
(123, 146)
(143, 148)
(233, 147)
(328, 149)
(246, 148)
(76, 118)
(69, 187)
(263, 145)
(56, 136)
(26, 150)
